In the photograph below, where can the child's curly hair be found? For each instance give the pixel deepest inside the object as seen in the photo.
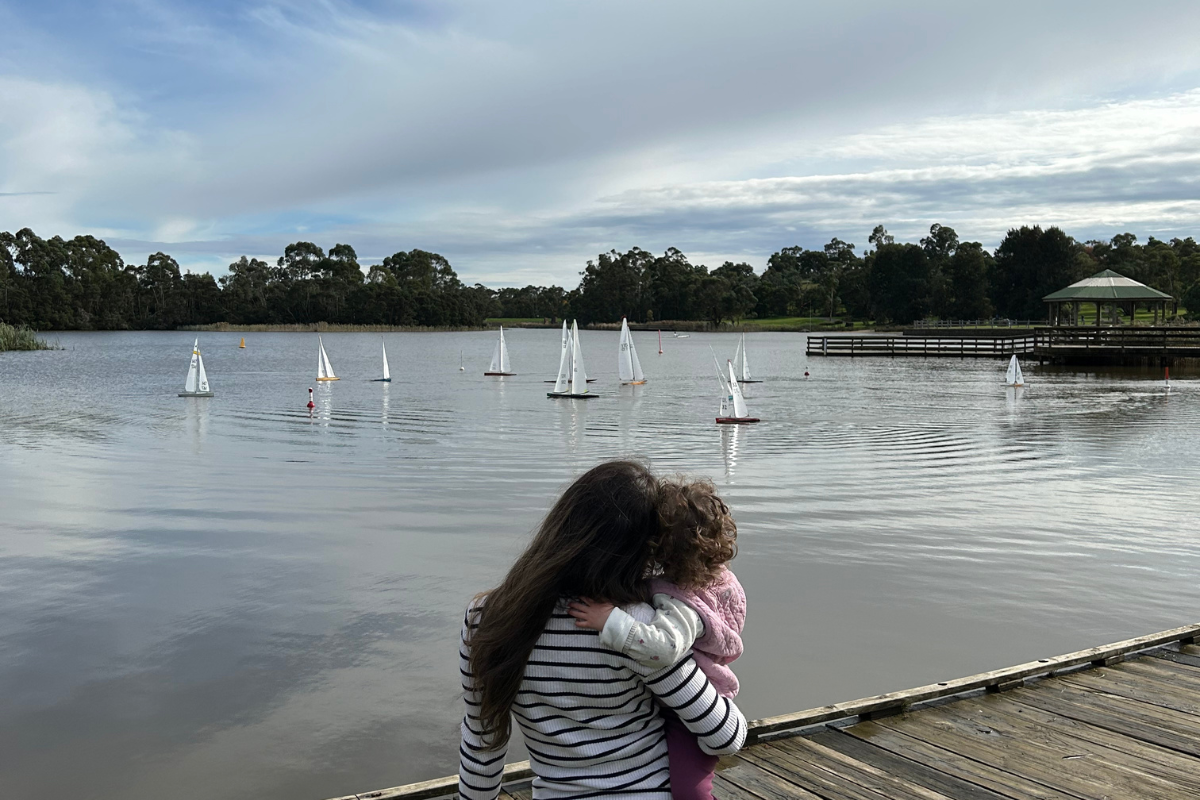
(697, 535)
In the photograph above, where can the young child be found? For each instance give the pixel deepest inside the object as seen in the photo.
(699, 607)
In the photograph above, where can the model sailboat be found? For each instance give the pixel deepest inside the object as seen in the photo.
(500, 365)
(196, 384)
(1014, 376)
(733, 404)
(572, 377)
(564, 358)
(324, 368)
(741, 363)
(387, 375)
(628, 366)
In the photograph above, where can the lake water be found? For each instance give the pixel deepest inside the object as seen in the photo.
(230, 597)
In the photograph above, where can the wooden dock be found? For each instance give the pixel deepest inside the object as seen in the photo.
(937, 345)
(1112, 722)
(1123, 345)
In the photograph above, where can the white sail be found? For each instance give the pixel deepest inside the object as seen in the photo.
(638, 376)
(196, 383)
(324, 368)
(564, 362)
(739, 402)
(499, 355)
(624, 359)
(629, 368)
(202, 384)
(387, 375)
(193, 375)
(1014, 376)
(578, 374)
(495, 365)
(744, 366)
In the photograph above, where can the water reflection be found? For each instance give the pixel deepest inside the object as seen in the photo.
(324, 401)
(1012, 397)
(730, 435)
(384, 401)
(197, 420)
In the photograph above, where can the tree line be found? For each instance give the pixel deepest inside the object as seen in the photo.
(83, 284)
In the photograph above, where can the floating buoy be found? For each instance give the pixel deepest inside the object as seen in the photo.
(311, 404)
(806, 374)
(243, 343)
(660, 343)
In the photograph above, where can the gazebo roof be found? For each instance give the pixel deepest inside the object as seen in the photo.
(1106, 285)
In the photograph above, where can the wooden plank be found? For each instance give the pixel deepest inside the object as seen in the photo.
(1008, 784)
(1178, 658)
(750, 779)
(1113, 719)
(1112, 767)
(902, 767)
(1182, 676)
(863, 773)
(833, 772)
(1137, 687)
(1166, 718)
(818, 781)
(1168, 764)
(1085, 777)
(901, 700)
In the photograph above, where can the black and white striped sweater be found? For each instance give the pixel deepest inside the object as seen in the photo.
(590, 718)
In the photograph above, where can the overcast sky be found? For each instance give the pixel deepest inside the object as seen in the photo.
(519, 139)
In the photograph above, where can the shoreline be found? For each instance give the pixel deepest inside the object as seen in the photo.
(667, 326)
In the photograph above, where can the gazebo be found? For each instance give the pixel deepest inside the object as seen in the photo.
(1111, 289)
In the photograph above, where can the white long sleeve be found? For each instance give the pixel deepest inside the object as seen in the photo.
(662, 641)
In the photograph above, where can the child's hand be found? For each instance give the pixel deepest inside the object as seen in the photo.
(589, 614)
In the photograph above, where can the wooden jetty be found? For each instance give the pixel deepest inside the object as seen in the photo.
(1111, 722)
(937, 345)
(1127, 345)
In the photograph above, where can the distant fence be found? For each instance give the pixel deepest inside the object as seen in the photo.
(931, 346)
(977, 323)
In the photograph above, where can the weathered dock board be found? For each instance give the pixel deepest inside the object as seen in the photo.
(1112, 722)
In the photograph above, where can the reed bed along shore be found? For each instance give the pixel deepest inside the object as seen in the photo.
(22, 338)
(321, 327)
(790, 324)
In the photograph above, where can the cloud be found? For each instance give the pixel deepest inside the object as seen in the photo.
(520, 139)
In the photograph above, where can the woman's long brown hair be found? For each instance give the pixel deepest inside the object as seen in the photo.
(595, 543)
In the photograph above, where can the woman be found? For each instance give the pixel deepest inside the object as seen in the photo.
(589, 715)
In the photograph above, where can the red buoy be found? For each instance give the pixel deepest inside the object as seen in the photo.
(805, 375)
(311, 405)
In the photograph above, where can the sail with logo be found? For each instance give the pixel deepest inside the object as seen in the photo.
(572, 379)
(196, 384)
(629, 368)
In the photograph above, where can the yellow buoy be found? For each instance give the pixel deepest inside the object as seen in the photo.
(243, 344)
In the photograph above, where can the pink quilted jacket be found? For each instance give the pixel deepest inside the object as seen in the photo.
(722, 609)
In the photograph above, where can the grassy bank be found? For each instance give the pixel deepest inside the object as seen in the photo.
(22, 339)
(319, 327)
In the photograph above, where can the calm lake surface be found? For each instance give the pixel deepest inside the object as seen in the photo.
(227, 597)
